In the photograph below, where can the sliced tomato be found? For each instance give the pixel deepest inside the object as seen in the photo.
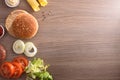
(7, 70)
(18, 70)
(21, 60)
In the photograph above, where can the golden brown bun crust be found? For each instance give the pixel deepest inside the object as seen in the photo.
(25, 26)
(11, 17)
(21, 24)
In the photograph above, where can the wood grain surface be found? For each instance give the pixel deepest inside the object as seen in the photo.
(80, 39)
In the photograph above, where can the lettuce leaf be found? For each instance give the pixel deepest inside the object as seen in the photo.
(37, 69)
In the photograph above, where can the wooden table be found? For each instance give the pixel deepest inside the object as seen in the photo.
(80, 39)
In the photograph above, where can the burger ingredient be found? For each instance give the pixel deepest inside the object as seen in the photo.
(22, 61)
(43, 2)
(7, 70)
(30, 49)
(15, 68)
(20, 24)
(12, 3)
(37, 69)
(2, 53)
(18, 47)
(18, 70)
(1, 31)
(34, 4)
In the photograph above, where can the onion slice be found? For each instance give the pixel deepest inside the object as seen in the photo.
(30, 49)
(18, 47)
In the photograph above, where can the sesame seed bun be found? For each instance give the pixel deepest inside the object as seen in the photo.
(21, 24)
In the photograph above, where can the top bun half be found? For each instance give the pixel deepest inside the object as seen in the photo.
(21, 24)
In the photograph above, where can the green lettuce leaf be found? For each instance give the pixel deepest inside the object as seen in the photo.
(37, 69)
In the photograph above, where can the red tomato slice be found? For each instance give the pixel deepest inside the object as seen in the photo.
(7, 70)
(18, 70)
(22, 60)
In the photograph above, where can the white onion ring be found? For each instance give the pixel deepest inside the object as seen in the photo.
(18, 47)
(28, 47)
